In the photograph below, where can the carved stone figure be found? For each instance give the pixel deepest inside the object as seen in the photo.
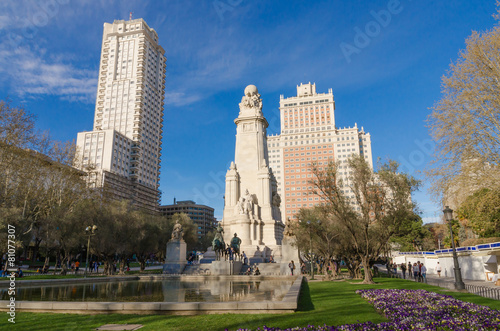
(241, 206)
(251, 99)
(177, 233)
(276, 199)
(288, 228)
(248, 206)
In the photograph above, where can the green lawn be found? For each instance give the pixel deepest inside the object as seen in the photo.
(331, 303)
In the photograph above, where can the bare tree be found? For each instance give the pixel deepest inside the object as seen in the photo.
(465, 123)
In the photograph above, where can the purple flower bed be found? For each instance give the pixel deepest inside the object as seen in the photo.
(417, 310)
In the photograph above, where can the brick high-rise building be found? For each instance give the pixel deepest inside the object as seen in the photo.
(308, 134)
(124, 148)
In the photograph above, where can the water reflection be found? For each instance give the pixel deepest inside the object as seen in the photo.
(157, 291)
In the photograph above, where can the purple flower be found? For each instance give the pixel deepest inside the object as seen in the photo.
(416, 310)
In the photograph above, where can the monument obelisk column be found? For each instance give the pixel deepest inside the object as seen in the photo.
(252, 201)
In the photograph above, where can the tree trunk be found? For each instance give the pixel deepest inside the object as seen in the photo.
(365, 261)
(122, 266)
(58, 255)
(108, 265)
(64, 267)
(47, 262)
(326, 273)
(331, 265)
(358, 273)
(142, 262)
(352, 270)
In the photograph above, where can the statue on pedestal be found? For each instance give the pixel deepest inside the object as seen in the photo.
(251, 99)
(276, 199)
(178, 232)
(248, 206)
(235, 245)
(218, 244)
(245, 204)
(288, 228)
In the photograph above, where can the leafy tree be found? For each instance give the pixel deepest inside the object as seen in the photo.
(150, 236)
(482, 212)
(38, 188)
(465, 123)
(205, 241)
(321, 229)
(413, 236)
(369, 206)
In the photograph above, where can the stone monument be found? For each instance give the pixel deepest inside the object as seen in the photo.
(251, 200)
(175, 260)
(289, 249)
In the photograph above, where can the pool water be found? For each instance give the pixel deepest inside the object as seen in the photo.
(172, 290)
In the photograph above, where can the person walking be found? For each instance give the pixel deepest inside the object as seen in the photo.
(291, 265)
(403, 270)
(438, 269)
(415, 272)
(423, 273)
(409, 269)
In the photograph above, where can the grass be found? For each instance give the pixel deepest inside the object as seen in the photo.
(331, 303)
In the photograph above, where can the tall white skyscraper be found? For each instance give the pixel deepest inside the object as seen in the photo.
(123, 150)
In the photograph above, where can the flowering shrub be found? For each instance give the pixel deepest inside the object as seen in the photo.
(418, 310)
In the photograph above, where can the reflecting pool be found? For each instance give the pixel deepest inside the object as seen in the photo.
(170, 290)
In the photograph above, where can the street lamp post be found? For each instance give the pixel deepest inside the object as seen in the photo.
(90, 231)
(311, 250)
(459, 284)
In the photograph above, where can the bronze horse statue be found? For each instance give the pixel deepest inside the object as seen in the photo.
(218, 245)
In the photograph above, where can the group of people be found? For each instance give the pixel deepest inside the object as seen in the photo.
(43, 270)
(253, 270)
(417, 269)
(6, 273)
(94, 267)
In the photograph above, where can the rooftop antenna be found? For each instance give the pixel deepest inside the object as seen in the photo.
(130, 16)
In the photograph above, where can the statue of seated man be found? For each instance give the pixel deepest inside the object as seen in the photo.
(177, 232)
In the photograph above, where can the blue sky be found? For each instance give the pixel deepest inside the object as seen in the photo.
(50, 50)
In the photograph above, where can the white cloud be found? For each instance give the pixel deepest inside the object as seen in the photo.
(180, 98)
(29, 74)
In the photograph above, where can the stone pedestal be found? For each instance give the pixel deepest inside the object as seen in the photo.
(176, 257)
(209, 256)
(226, 267)
(289, 250)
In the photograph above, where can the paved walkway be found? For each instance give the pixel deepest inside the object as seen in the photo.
(449, 283)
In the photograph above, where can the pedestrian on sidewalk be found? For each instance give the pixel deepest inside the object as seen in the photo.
(291, 265)
(419, 271)
(415, 272)
(409, 270)
(423, 273)
(438, 269)
(403, 270)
